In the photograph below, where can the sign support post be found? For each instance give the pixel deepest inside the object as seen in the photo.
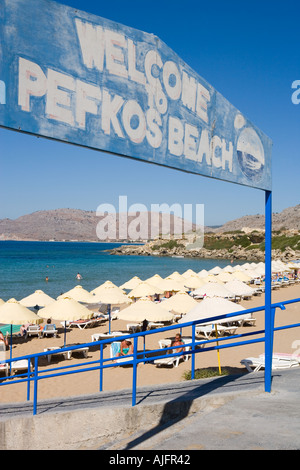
(269, 327)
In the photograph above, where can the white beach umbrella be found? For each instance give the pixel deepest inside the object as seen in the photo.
(212, 278)
(213, 289)
(145, 309)
(224, 277)
(80, 294)
(203, 273)
(253, 274)
(211, 307)
(2, 302)
(189, 273)
(239, 288)
(228, 269)
(38, 298)
(215, 270)
(241, 276)
(181, 302)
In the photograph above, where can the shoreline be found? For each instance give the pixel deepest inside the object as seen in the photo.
(118, 378)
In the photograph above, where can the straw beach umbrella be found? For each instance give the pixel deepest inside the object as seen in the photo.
(143, 290)
(66, 309)
(171, 285)
(215, 270)
(154, 280)
(176, 276)
(181, 302)
(132, 283)
(189, 273)
(112, 296)
(13, 313)
(80, 294)
(145, 309)
(105, 285)
(241, 276)
(193, 282)
(38, 298)
(224, 277)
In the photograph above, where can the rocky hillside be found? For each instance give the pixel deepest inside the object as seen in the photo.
(75, 224)
(287, 219)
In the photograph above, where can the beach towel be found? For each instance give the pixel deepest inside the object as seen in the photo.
(115, 348)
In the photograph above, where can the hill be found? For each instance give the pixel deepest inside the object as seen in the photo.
(79, 225)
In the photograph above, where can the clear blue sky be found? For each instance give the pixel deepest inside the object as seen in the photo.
(248, 51)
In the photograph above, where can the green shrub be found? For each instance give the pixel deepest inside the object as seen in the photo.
(206, 373)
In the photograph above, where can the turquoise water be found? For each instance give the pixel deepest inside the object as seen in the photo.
(24, 266)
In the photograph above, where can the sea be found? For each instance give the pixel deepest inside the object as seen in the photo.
(25, 265)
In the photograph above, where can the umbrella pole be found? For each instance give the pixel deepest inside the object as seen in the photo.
(109, 317)
(65, 335)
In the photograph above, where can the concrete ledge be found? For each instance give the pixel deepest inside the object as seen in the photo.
(93, 422)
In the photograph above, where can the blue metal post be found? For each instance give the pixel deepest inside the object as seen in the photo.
(269, 325)
(35, 385)
(28, 379)
(101, 367)
(193, 355)
(134, 371)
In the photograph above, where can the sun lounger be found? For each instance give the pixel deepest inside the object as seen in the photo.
(209, 330)
(134, 327)
(65, 354)
(33, 330)
(113, 334)
(81, 324)
(83, 350)
(4, 367)
(49, 330)
(172, 361)
(254, 364)
(152, 325)
(20, 366)
(115, 349)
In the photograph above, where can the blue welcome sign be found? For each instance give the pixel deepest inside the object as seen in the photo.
(79, 78)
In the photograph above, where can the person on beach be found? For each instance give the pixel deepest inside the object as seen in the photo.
(125, 348)
(177, 342)
(4, 339)
(24, 328)
(145, 325)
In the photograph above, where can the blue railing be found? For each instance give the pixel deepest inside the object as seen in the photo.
(34, 374)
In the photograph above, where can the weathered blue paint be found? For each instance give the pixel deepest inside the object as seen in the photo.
(79, 78)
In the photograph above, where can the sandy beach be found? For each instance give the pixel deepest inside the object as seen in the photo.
(148, 374)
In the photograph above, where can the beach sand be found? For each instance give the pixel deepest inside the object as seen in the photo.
(148, 374)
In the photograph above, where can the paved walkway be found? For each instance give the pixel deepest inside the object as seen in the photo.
(235, 413)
